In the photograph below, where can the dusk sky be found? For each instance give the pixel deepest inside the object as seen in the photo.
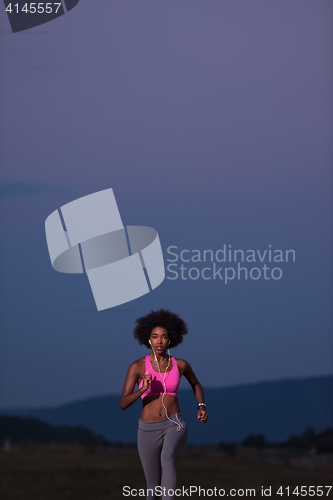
(212, 123)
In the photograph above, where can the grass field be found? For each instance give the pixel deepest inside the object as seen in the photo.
(73, 473)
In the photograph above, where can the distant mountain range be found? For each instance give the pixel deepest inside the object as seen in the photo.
(276, 409)
(30, 430)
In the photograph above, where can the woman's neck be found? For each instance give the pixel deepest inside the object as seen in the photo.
(159, 357)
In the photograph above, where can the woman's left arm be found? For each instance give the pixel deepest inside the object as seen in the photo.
(186, 370)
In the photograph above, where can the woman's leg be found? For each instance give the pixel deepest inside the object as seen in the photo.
(149, 447)
(173, 442)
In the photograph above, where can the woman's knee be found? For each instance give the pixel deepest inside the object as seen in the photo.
(168, 455)
(172, 448)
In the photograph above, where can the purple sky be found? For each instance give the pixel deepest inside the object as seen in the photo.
(212, 122)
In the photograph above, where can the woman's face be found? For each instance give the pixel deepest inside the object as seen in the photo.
(159, 339)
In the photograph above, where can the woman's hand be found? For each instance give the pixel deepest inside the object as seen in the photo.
(146, 381)
(202, 415)
(186, 370)
(128, 397)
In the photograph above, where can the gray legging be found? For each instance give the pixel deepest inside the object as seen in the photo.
(159, 443)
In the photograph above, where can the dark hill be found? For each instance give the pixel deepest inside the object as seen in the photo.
(275, 409)
(30, 430)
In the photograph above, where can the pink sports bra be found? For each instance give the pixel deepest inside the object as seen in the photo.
(157, 387)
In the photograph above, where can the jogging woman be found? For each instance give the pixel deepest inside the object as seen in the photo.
(162, 431)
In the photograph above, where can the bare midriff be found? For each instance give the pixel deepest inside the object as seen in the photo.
(153, 409)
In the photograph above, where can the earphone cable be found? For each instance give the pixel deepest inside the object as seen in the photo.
(178, 423)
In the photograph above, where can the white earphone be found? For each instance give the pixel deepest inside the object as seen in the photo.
(178, 423)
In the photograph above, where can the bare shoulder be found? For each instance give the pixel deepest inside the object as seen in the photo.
(137, 365)
(183, 365)
(185, 369)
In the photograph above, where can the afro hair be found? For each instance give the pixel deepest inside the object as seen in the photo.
(163, 318)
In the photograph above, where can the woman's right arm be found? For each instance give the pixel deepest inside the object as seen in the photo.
(128, 397)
